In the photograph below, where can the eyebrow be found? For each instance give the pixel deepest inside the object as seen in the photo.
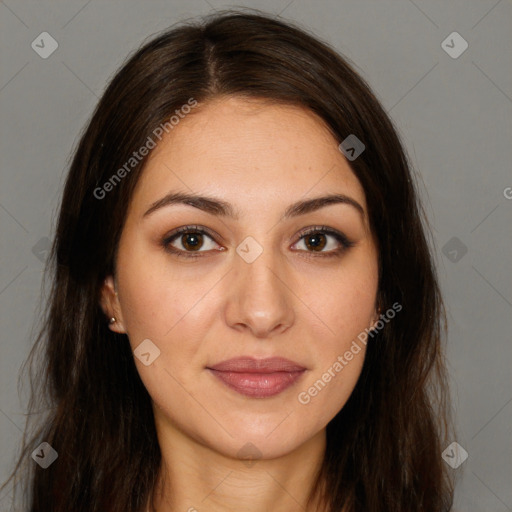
(218, 207)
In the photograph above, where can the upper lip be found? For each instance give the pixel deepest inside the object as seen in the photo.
(249, 364)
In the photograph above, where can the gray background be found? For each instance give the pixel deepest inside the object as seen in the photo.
(453, 115)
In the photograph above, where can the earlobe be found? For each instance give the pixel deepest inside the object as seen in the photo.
(110, 305)
(376, 318)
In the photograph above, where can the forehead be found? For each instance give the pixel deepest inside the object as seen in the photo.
(248, 152)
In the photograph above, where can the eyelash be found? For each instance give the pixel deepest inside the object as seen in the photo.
(341, 238)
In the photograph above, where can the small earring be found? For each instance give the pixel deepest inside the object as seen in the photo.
(112, 321)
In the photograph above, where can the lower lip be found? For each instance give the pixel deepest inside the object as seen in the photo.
(258, 385)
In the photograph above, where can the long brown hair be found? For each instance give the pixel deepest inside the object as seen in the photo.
(384, 446)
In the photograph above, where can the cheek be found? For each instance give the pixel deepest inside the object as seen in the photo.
(344, 305)
(329, 387)
(159, 300)
(175, 313)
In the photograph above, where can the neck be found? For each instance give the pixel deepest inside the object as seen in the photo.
(194, 477)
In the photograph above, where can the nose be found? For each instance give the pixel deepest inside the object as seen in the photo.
(260, 301)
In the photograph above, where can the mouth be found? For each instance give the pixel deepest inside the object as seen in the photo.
(258, 378)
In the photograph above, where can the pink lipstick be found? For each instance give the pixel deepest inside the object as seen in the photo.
(258, 378)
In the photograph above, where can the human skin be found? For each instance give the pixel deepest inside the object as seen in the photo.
(290, 301)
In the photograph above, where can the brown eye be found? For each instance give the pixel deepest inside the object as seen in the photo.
(315, 242)
(192, 241)
(317, 239)
(188, 240)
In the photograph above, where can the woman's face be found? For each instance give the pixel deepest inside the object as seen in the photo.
(250, 286)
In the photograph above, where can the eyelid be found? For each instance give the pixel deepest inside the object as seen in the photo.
(170, 237)
(341, 238)
(326, 230)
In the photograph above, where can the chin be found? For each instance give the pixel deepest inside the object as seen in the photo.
(255, 442)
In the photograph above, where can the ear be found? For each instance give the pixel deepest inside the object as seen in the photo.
(375, 317)
(109, 303)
